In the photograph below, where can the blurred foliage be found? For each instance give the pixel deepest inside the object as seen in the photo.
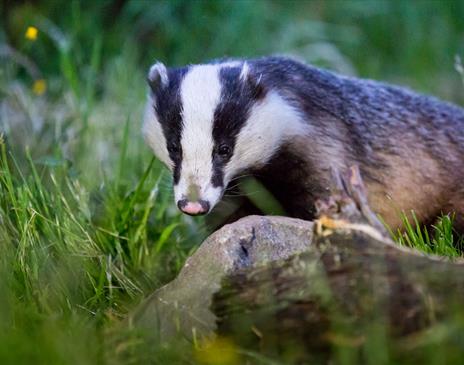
(390, 39)
(87, 223)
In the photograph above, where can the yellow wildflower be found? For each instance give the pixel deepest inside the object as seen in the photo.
(39, 87)
(218, 351)
(31, 33)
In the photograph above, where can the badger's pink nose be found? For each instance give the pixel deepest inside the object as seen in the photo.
(193, 208)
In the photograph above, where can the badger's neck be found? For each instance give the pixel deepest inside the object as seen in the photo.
(273, 145)
(294, 179)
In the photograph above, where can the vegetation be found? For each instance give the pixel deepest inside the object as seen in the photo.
(88, 227)
(439, 239)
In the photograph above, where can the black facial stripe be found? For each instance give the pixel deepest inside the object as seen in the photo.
(168, 108)
(237, 98)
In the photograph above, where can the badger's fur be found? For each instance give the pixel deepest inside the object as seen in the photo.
(288, 123)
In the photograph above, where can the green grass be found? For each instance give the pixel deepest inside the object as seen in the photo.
(439, 239)
(73, 261)
(88, 227)
(87, 224)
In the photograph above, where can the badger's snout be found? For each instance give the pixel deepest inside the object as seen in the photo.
(193, 207)
(196, 199)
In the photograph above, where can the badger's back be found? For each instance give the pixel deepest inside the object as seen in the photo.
(409, 146)
(372, 109)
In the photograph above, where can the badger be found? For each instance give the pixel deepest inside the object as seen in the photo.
(289, 124)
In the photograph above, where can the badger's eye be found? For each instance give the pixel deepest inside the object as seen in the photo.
(224, 150)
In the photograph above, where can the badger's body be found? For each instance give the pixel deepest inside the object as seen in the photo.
(288, 123)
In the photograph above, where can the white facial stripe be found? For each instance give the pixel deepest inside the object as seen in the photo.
(200, 93)
(153, 134)
(270, 123)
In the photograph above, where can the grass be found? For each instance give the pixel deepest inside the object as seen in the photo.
(439, 239)
(71, 260)
(88, 227)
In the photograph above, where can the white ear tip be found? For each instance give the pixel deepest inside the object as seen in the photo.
(158, 73)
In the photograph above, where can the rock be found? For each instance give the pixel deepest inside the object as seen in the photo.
(184, 304)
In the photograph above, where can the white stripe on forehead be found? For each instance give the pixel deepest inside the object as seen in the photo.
(200, 94)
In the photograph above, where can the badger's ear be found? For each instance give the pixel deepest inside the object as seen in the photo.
(253, 81)
(157, 76)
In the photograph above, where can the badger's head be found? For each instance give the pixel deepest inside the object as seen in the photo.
(208, 124)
